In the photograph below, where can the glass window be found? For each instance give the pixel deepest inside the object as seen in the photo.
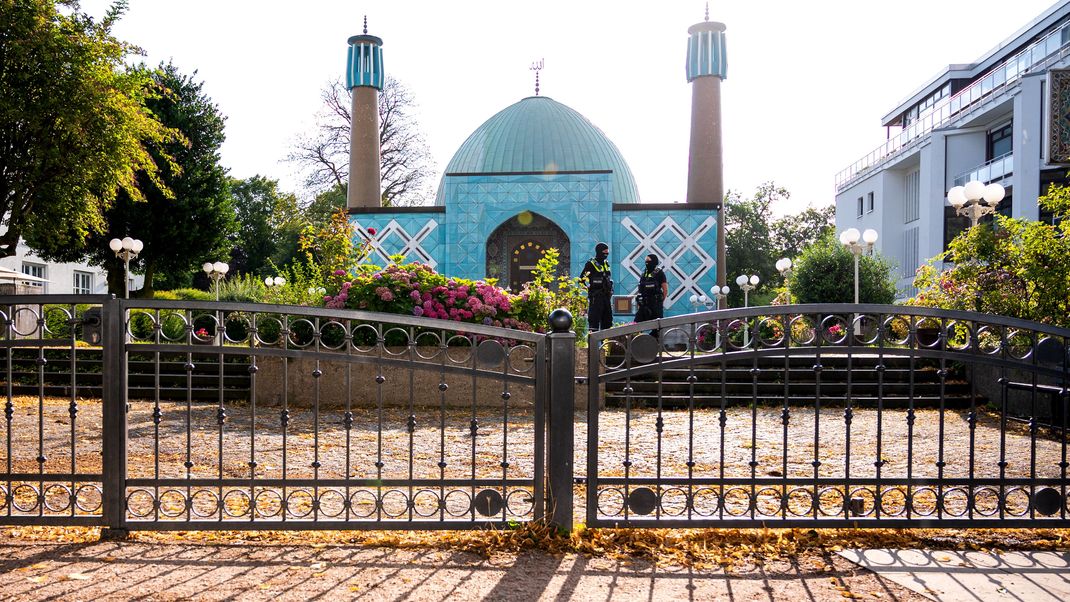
(869, 203)
(36, 270)
(83, 283)
(860, 207)
(1000, 141)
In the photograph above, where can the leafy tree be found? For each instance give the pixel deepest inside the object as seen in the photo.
(756, 240)
(269, 225)
(824, 273)
(1019, 269)
(194, 224)
(404, 161)
(319, 211)
(74, 126)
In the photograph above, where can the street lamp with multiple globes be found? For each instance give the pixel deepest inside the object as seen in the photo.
(783, 266)
(975, 200)
(698, 301)
(720, 293)
(216, 271)
(850, 239)
(273, 282)
(126, 249)
(747, 284)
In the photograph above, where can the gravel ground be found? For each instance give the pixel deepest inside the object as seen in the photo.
(441, 445)
(238, 571)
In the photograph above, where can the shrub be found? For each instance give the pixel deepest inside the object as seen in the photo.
(824, 273)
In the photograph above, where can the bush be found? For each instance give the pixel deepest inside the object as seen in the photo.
(1019, 269)
(824, 273)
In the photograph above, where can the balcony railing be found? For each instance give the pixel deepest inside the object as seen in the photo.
(1007, 75)
(994, 170)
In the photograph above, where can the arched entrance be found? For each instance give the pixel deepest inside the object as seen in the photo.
(519, 243)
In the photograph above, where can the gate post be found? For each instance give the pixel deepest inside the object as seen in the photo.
(114, 427)
(562, 409)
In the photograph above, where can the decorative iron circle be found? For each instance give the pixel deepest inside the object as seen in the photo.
(363, 503)
(834, 329)
(488, 502)
(896, 330)
(676, 333)
(459, 349)
(611, 348)
(705, 501)
(142, 509)
(832, 502)
(519, 502)
(4, 498)
(403, 345)
(1050, 351)
(172, 503)
(429, 342)
(242, 498)
(1019, 344)
(643, 348)
(64, 493)
(893, 502)
(458, 503)
(737, 501)
(775, 327)
(674, 502)
(490, 353)
(959, 336)
(299, 503)
(332, 503)
(707, 338)
(956, 501)
(1017, 502)
(618, 501)
(333, 335)
(426, 503)
(365, 332)
(266, 325)
(1048, 500)
(771, 495)
(210, 506)
(392, 508)
(986, 501)
(642, 500)
(25, 490)
(802, 331)
(521, 359)
(237, 322)
(735, 335)
(800, 502)
(14, 326)
(923, 501)
(268, 503)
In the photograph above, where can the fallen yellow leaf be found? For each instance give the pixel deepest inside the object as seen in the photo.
(78, 577)
(318, 566)
(36, 579)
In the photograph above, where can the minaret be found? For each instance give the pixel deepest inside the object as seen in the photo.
(364, 78)
(706, 67)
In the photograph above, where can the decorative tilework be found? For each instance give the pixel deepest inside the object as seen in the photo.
(417, 237)
(684, 239)
(1059, 117)
(580, 204)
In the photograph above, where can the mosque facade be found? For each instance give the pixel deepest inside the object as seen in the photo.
(537, 175)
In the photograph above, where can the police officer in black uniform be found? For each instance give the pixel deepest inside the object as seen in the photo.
(599, 281)
(653, 288)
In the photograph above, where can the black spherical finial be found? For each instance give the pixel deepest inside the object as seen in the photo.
(560, 320)
(365, 24)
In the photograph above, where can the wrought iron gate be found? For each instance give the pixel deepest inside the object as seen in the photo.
(195, 415)
(829, 415)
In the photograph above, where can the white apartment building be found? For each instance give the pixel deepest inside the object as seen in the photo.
(62, 278)
(1004, 118)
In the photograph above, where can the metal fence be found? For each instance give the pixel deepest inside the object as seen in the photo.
(260, 416)
(196, 415)
(816, 415)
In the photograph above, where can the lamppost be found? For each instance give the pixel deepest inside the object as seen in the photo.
(849, 238)
(747, 284)
(720, 293)
(274, 282)
(126, 249)
(698, 301)
(216, 271)
(971, 200)
(783, 266)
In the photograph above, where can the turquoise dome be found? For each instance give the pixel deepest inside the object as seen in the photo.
(539, 134)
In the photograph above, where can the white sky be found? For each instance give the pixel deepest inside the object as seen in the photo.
(807, 81)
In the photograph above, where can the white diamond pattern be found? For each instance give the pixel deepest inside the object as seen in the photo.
(674, 260)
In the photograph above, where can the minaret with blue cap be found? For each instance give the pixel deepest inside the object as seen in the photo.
(364, 79)
(706, 67)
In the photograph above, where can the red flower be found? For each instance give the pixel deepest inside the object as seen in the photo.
(371, 231)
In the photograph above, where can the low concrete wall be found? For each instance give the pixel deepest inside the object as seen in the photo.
(1019, 403)
(300, 387)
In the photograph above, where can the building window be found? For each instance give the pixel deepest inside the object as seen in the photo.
(869, 203)
(83, 283)
(1000, 141)
(861, 205)
(912, 202)
(36, 270)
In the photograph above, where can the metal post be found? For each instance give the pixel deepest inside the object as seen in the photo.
(562, 415)
(857, 252)
(114, 419)
(126, 274)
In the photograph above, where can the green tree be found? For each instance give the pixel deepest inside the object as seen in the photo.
(824, 273)
(748, 240)
(74, 126)
(792, 234)
(269, 225)
(319, 211)
(1020, 268)
(194, 224)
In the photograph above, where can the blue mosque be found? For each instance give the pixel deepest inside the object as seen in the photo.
(539, 175)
